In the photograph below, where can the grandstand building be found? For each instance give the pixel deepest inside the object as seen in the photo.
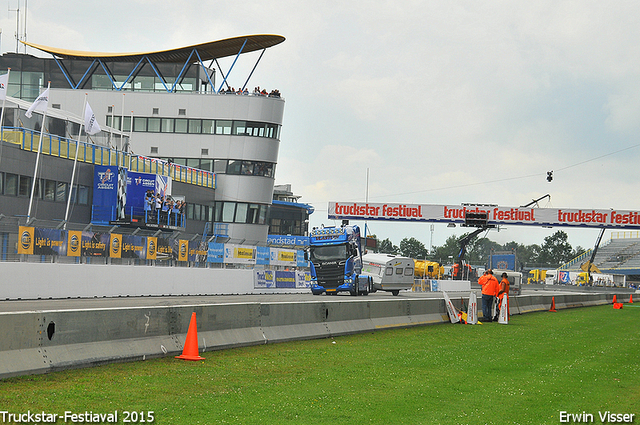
(618, 256)
(170, 113)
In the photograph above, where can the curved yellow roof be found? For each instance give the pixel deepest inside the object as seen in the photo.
(207, 51)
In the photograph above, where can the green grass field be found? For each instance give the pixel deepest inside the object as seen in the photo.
(526, 372)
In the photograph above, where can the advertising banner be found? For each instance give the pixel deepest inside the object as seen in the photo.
(285, 279)
(183, 250)
(281, 240)
(198, 251)
(137, 186)
(164, 249)
(49, 241)
(300, 259)
(215, 253)
(503, 262)
(263, 254)
(134, 247)
(115, 246)
(105, 184)
(152, 244)
(238, 254)
(25, 246)
(74, 241)
(610, 218)
(265, 279)
(95, 244)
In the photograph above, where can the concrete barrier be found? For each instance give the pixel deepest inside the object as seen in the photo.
(44, 341)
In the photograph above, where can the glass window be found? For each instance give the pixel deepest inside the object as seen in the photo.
(116, 122)
(61, 192)
(208, 126)
(220, 166)
(181, 125)
(234, 167)
(195, 126)
(49, 190)
(408, 271)
(253, 214)
(190, 211)
(239, 128)
(139, 124)
(167, 125)
(206, 164)
(11, 184)
(143, 83)
(153, 125)
(399, 270)
(264, 212)
(241, 212)
(101, 82)
(388, 271)
(1, 183)
(247, 168)
(197, 212)
(126, 124)
(83, 195)
(193, 163)
(24, 188)
(228, 210)
(268, 170)
(223, 127)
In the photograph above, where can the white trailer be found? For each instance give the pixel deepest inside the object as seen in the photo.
(389, 272)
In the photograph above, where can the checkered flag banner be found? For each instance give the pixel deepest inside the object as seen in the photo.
(122, 193)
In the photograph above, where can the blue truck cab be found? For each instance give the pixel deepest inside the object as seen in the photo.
(335, 256)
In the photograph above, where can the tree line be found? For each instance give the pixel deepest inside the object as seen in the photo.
(552, 253)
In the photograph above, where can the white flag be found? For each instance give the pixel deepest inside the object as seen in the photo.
(90, 123)
(504, 310)
(40, 104)
(4, 82)
(451, 310)
(472, 309)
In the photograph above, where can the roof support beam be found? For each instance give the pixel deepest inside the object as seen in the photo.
(254, 68)
(233, 64)
(205, 69)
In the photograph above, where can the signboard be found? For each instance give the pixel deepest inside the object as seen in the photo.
(598, 218)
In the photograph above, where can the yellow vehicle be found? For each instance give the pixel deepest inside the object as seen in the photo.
(427, 269)
(537, 276)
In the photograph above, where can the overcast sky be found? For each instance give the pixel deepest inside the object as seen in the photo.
(445, 102)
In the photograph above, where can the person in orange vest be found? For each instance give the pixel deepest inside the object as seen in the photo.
(504, 289)
(489, 285)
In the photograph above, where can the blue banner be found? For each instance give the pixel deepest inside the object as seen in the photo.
(503, 262)
(215, 254)
(300, 257)
(137, 186)
(285, 279)
(263, 254)
(281, 240)
(105, 185)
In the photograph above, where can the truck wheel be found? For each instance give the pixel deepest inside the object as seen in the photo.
(395, 292)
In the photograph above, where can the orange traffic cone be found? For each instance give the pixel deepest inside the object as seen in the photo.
(190, 351)
(618, 306)
(614, 299)
(553, 304)
(630, 298)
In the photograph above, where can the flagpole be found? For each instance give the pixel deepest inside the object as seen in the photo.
(35, 171)
(4, 102)
(75, 162)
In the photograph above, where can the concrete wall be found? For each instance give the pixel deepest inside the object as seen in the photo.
(57, 280)
(44, 341)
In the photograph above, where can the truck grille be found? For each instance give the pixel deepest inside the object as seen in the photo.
(330, 275)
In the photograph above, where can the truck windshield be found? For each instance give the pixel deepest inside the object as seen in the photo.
(329, 252)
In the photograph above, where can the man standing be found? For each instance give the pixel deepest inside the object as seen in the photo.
(490, 286)
(504, 289)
